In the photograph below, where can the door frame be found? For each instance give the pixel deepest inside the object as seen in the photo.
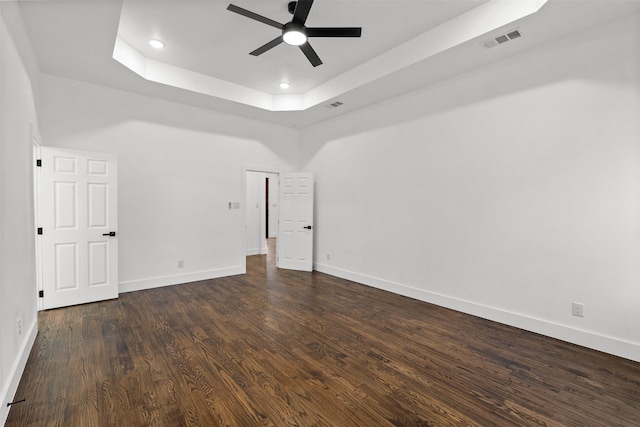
(243, 213)
(36, 142)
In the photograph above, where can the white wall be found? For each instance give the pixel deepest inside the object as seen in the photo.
(178, 166)
(255, 224)
(18, 94)
(508, 192)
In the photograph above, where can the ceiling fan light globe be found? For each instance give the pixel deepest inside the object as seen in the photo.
(294, 37)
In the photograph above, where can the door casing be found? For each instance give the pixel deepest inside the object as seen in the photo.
(243, 213)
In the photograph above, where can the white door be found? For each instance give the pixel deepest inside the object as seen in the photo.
(295, 233)
(79, 220)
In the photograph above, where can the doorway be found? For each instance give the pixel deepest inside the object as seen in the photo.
(294, 219)
(260, 211)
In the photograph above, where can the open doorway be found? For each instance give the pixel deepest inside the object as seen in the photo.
(255, 219)
(261, 211)
(294, 244)
(260, 203)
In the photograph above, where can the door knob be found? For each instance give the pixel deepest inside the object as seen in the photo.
(111, 233)
(308, 227)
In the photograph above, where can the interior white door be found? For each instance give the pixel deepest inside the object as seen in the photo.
(79, 219)
(295, 233)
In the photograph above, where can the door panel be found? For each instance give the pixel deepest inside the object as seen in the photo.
(295, 233)
(66, 266)
(98, 207)
(78, 210)
(65, 205)
(98, 262)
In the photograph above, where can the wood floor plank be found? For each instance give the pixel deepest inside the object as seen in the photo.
(283, 348)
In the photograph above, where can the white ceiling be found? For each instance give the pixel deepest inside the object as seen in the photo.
(404, 45)
(206, 38)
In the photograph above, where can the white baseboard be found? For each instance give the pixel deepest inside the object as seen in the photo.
(256, 251)
(580, 337)
(15, 374)
(158, 282)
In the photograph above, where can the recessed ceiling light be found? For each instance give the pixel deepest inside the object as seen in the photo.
(284, 85)
(156, 44)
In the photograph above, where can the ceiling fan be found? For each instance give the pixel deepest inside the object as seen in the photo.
(295, 32)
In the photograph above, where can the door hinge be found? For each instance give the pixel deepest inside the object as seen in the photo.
(39, 230)
(39, 163)
(41, 294)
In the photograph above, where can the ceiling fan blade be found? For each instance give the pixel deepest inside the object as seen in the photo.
(334, 32)
(262, 49)
(302, 11)
(311, 54)
(252, 15)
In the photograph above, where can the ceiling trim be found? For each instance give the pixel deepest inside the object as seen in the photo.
(455, 32)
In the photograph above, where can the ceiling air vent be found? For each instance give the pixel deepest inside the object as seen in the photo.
(514, 34)
(334, 104)
(502, 38)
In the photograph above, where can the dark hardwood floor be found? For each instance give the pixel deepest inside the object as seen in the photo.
(282, 348)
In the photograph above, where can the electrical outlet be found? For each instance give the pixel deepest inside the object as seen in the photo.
(19, 322)
(577, 309)
(180, 263)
